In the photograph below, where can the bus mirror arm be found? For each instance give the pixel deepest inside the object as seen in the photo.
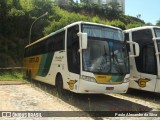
(137, 49)
(84, 40)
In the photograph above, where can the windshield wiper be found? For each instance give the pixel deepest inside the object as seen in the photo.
(118, 64)
(104, 58)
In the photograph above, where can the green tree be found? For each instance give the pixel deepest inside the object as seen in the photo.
(4, 8)
(39, 7)
(113, 11)
(150, 24)
(16, 17)
(118, 23)
(158, 22)
(85, 1)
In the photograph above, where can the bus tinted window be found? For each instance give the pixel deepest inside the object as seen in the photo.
(143, 63)
(72, 50)
(142, 36)
(51, 44)
(127, 39)
(59, 42)
(149, 60)
(103, 32)
(56, 42)
(157, 31)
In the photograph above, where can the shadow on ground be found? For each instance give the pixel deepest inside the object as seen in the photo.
(92, 102)
(145, 95)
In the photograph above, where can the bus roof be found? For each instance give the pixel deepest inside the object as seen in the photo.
(70, 25)
(83, 22)
(141, 28)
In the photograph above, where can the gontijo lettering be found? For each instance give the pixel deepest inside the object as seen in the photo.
(34, 60)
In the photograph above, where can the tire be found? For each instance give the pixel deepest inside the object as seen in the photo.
(25, 75)
(59, 85)
(29, 76)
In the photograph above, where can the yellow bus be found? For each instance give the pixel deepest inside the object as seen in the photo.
(82, 57)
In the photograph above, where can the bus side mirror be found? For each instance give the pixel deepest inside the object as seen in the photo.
(136, 48)
(84, 40)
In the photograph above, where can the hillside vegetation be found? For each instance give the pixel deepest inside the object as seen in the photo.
(16, 17)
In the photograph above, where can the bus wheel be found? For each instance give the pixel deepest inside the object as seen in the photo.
(29, 76)
(59, 84)
(26, 75)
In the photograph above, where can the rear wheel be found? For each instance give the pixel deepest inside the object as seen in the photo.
(25, 76)
(29, 76)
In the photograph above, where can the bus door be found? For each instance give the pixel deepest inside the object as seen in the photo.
(157, 47)
(73, 58)
(148, 75)
(134, 74)
(146, 62)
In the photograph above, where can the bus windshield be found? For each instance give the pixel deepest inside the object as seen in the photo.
(106, 52)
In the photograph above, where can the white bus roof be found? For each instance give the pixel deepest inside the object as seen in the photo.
(83, 22)
(141, 28)
(70, 25)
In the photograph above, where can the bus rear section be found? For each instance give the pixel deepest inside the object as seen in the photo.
(145, 69)
(82, 57)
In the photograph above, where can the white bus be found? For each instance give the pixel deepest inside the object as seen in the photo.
(145, 69)
(82, 57)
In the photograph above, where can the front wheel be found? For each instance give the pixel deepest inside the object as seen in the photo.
(59, 84)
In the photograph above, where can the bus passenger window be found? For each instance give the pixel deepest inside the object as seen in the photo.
(143, 38)
(149, 60)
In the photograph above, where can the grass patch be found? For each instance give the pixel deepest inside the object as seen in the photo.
(11, 76)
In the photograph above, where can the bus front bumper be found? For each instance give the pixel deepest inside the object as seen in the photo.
(95, 88)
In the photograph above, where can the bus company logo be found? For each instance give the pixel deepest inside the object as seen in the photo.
(142, 82)
(59, 58)
(34, 60)
(71, 84)
(101, 77)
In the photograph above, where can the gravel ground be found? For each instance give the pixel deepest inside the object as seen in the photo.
(27, 97)
(30, 98)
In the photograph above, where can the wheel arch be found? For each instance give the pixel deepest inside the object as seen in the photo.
(57, 75)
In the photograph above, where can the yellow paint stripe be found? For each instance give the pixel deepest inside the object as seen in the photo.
(103, 78)
(33, 63)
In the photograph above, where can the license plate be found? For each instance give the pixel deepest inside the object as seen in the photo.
(109, 88)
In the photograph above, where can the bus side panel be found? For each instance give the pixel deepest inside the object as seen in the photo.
(45, 64)
(32, 64)
(145, 82)
(58, 65)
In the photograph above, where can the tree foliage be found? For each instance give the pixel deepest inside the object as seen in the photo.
(16, 17)
(158, 22)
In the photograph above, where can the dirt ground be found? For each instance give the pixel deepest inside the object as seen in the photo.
(16, 96)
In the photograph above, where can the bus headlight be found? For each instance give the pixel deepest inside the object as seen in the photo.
(86, 78)
(126, 79)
